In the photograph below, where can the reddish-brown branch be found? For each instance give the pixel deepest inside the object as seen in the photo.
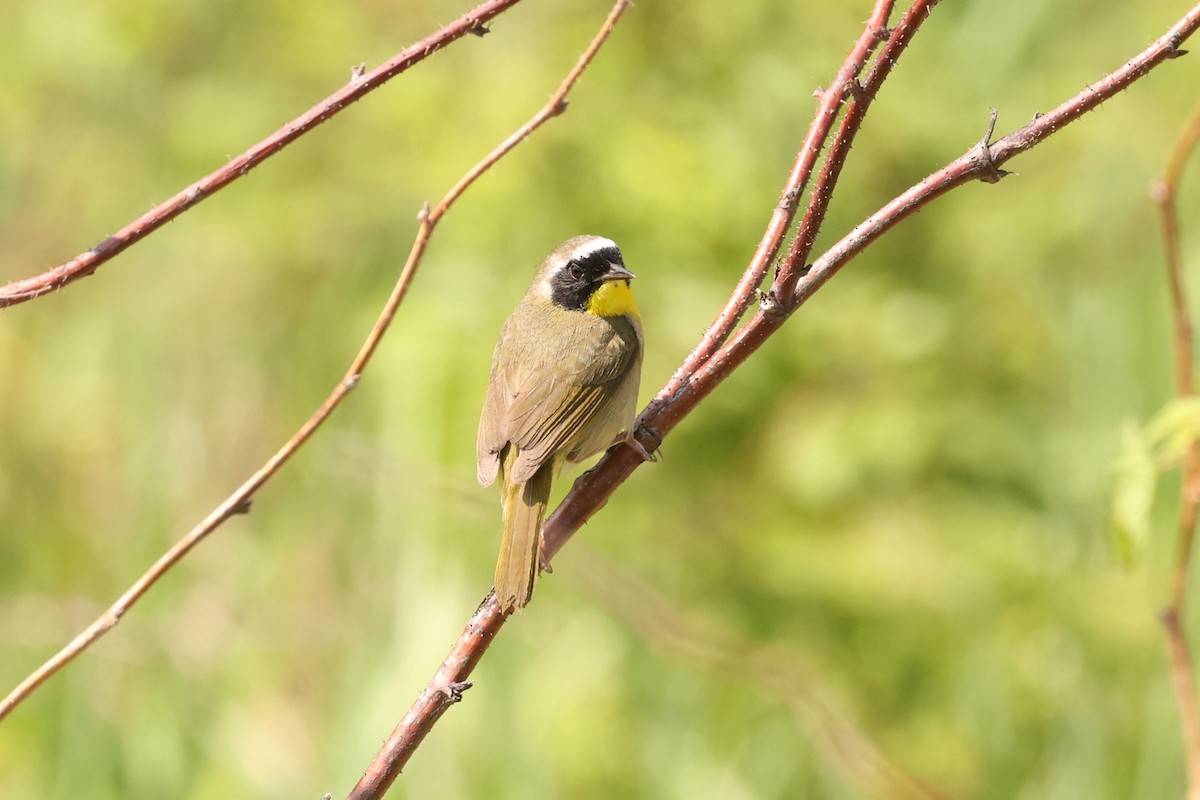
(359, 86)
(831, 100)
(446, 688)
(239, 501)
(450, 681)
(687, 388)
(822, 194)
(1182, 677)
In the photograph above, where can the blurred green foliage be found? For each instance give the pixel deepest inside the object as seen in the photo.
(903, 500)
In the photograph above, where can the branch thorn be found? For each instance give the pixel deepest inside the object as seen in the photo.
(480, 30)
(357, 72)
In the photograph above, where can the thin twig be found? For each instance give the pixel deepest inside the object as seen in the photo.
(1164, 193)
(359, 86)
(239, 501)
(450, 681)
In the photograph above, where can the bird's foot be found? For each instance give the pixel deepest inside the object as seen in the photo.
(629, 438)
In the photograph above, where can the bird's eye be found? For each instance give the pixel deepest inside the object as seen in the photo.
(575, 270)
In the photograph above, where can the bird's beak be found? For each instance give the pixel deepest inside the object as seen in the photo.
(617, 273)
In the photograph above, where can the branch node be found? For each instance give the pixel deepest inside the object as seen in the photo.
(1160, 193)
(107, 246)
(480, 30)
(989, 172)
(242, 506)
(856, 90)
(770, 306)
(423, 214)
(453, 691)
(790, 198)
(357, 72)
(560, 107)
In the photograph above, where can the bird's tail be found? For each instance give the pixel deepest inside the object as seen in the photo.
(524, 511)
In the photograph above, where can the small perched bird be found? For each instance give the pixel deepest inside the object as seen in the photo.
(563, 387)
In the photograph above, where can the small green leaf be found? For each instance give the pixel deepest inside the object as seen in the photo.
(1174, 429)
(1133, 495)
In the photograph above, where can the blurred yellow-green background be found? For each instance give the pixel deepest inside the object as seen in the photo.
(879, 554)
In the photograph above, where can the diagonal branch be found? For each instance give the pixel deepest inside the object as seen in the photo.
(822, 195)
(445, 690)
(687, 388)
(1164, 193)
(239, 501)
(84, 264)
(588, 495)
(831, 100)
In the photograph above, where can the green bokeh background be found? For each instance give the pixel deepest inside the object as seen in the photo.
(882, 545)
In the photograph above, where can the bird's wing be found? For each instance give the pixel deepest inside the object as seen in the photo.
(539, 407)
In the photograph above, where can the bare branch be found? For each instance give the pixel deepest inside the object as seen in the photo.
(361, 83)
(1182, 677)
(238, 502)
(860, 103)
(983, 161)
(780, 223)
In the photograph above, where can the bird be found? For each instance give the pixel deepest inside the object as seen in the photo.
(563, 386)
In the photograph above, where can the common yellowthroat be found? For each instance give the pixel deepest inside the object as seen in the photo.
(563, 387)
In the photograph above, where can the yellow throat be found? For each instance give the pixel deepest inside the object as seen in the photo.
(613, 299)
